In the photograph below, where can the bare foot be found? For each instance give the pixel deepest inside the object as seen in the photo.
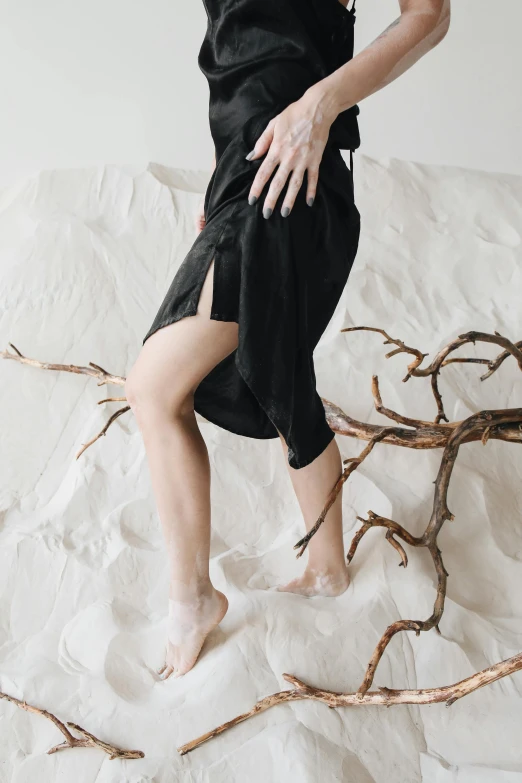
(189, 624)
(315, 582)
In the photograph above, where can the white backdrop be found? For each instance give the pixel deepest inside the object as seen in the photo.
(118, 82)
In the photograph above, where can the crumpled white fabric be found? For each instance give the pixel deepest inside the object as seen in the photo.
(87, 256)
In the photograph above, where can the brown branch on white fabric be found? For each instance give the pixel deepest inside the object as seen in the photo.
(432, 370)
(440, 514)
(104, 429)
(353, 464)
(384, 697)
(424, 436)
(86, 740)
(94, 370)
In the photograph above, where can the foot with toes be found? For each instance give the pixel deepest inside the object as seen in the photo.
(325, 582)
(189, 624)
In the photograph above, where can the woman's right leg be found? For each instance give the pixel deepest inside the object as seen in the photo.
(326, 572)
(160, 390)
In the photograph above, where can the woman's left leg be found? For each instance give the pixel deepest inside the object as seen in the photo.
(326, 572)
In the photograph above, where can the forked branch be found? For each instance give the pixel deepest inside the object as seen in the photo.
(86, 740)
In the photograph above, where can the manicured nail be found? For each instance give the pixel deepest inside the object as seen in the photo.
(250, 155)
(267, 212)
(310, 201)
(285, 211)
(252, 199)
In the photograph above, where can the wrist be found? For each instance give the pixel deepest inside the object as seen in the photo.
(324, 96)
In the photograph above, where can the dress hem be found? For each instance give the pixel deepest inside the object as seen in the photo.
(199, 409)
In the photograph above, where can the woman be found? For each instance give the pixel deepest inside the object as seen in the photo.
(278, 233)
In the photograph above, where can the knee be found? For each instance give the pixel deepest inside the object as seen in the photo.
(153, 398)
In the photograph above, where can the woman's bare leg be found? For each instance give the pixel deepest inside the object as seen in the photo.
(326, 572)
(160, 389)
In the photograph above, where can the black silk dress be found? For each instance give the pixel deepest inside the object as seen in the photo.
(279, 278)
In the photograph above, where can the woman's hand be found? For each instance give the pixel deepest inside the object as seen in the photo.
(294, 142)
(200, 219)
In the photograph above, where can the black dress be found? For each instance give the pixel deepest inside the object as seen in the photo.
(279, 278)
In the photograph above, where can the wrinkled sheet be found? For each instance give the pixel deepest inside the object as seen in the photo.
(87, 255)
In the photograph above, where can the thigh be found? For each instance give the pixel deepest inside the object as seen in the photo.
(178, 356)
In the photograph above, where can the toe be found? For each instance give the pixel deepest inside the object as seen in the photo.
(165, 672)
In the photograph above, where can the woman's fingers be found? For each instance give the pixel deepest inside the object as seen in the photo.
(263, 143)
(263, 174)
(276, 186)
(294, 185)
(200, 219)
(311, 186)
(287, 155)
(278, 183)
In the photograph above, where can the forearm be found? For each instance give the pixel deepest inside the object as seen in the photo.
(421, 26)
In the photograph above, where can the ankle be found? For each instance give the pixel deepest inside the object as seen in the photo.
(191, 594)
(331, 569)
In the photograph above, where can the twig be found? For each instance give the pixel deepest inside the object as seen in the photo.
(94, 370)
(414, 369)
(103, 430)
(353, 464)
(87, 741)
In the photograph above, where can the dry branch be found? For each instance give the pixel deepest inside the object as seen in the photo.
(94, 370)
(384, 697)
(433, 370)
(86, 740)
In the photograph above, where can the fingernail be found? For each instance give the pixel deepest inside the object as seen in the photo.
(285, 211)
(250, 155)
(310, 201)
(267, 212)
(252, 199)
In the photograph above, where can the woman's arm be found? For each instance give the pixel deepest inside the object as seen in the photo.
(295, 140)
(421, 26)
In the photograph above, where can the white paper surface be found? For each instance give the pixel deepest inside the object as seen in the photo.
(87, 256)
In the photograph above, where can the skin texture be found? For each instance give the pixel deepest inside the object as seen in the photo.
(172, 362)
(293, 142)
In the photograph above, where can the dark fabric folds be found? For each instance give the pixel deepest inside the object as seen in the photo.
(280, 279)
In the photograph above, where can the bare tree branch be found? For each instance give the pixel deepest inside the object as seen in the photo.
(86, 741)
(384, 697)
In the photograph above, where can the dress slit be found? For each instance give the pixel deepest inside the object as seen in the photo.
(227, 274)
